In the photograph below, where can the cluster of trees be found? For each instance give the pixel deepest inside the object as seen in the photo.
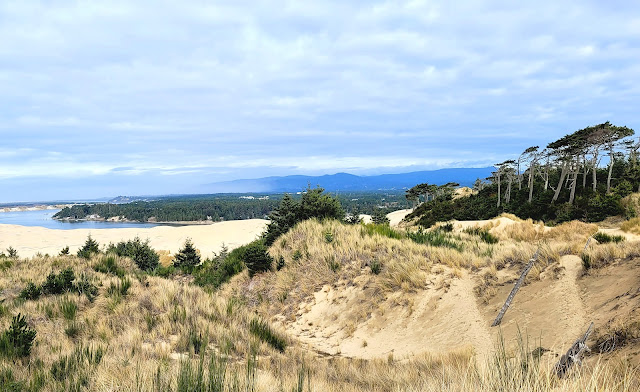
(222, 207)
(425, 192)
(176, 209)
(563, 181)
(314, 203)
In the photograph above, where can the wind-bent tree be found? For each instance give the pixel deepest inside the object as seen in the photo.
(412, 196)
(532, 153)
(502, 168)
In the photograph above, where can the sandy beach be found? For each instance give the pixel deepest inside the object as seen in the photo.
(208, 238)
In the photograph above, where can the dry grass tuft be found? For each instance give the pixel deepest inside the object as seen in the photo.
(631, 226)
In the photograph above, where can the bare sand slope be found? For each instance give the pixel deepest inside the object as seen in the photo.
(396, 217)
(550, 312)
(438, 319)
(208, 238)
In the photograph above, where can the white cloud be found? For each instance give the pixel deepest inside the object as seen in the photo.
(358, 84)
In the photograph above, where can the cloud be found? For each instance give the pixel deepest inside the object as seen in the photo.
(175, 88)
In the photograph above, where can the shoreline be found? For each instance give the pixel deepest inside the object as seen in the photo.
(163, 223)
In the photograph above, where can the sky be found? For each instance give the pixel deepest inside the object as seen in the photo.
(141, 97)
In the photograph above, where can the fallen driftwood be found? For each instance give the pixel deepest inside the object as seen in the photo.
(587, 244)
(574, 354)
(515, 289)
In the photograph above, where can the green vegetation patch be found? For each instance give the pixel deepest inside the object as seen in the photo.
(17, 340)
(604, 238)
(262, 330)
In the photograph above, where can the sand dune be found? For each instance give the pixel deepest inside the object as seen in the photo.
(208, 238)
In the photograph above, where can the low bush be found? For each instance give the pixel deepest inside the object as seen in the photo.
(255, 256)
(187, 258)
(17, 340)
(89, 248)
(604, 238)
(31, 291)
(376, 266)
(61, 283)
(139, 251)
(214, 272)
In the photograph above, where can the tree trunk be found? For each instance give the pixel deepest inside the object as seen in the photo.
(594, 167)
(586, 172)
(498, 188)
(575, 181)
(546, 176)
(563, 174)
(519, 176)
(610, 169)
(532, 171)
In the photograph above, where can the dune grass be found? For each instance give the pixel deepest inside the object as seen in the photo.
(148, 333)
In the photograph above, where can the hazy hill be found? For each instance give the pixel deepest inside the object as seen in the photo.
(351, 182)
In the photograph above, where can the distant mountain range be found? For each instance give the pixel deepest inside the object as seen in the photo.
(351, 182)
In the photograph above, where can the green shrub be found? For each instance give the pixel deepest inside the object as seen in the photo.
(375, 266)
(140, 252)
(297, 255)
(447, 227)
(12, 253)
(31, 291)
(187, 258)
(256, 257)
(64, 251)
(17, 340)
(264, 332)
(328, 237)
(379, 217)
(60, 283)
(280, 263)
(89, 248)
(84, 286)
(604, 238)
(165, 272)
(213, 273)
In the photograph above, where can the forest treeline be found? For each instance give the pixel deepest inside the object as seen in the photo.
(224, 207)
(563, 181)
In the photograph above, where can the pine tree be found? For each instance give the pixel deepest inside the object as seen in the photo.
(187, 258)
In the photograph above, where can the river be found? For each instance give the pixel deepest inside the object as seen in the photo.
(43, 218)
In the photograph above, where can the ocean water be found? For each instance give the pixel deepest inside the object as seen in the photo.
(43, 218)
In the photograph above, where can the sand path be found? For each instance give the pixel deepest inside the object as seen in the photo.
(574, 320)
